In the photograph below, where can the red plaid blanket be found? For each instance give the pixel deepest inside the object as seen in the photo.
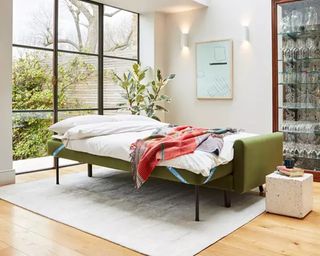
(165, 144)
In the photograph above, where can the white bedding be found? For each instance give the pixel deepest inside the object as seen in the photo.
(114, 140)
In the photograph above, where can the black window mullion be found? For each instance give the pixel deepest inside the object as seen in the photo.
(138, 39)
(32, 47)
(120, 58)
(55, 61)
(77, 109)
(79, 53)
(55, 67)
(32, 111)
(100, 63)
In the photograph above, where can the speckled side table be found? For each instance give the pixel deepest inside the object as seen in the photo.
(289, 196)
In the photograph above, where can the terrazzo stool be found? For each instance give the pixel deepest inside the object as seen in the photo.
(289, 196)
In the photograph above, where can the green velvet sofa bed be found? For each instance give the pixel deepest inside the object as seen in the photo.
(254, 158)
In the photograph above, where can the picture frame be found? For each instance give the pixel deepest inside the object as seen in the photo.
(214, 69)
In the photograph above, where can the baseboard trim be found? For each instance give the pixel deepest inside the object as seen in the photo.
(7, 177)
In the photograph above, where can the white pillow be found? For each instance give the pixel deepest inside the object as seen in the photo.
(64, 125)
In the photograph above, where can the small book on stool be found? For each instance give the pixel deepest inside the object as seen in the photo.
(293, 172)
(289, 170)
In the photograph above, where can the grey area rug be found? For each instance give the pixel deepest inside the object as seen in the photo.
(156, 220)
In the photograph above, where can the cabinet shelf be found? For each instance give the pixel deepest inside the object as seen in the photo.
(303, 157)
(318, 83)
(306, 72)
(299, 60)
(300, 34)
(317, 133)
(300, 107)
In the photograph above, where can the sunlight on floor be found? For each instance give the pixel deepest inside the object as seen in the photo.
(39, 163)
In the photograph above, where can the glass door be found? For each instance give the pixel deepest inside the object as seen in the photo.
(297, 80)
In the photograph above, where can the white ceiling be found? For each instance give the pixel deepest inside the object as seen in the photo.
(167, 6)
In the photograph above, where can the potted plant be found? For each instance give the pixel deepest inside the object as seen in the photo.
(143, 97)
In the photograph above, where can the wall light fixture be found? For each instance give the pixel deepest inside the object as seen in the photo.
(184, 40)
(246, 34)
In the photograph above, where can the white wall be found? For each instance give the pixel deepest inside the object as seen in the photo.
(153, 40)
(147, 39)
(160, 42)
(251, 107)
(152, 44)
(6, 172)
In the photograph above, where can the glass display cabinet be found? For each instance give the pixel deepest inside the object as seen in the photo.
(296, 79)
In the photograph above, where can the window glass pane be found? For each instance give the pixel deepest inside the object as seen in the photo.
(67, 114)
(33, 22)
(31, 134)
(120, 33)
(32, 79)
(112, 92)
(78, 26)
(77, 81)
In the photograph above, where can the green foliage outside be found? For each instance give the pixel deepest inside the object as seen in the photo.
(32, 90)
(143, 97)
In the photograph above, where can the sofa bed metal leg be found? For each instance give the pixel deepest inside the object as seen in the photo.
(227, 199)
(89, 170)
(261, 189)
(196, 187)
(56, 165)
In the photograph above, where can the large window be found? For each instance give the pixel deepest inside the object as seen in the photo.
(63, 55)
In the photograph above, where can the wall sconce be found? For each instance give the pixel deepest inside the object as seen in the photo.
(246, 35)
(184, 40)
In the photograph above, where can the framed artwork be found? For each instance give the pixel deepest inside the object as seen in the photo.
(214, 64)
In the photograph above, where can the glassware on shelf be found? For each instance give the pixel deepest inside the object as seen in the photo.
(300, 126)
(302, 77)
(314, 76)
(301, 96)
(317, 48)
(312, 151)
(289, 149)
(301, 49)
(311, 100)
(295, 51)
(289, 95)
(311, 44)
(292, 149)
(288, 50)
(285, 23)
(317, 96)
(296, 21)
(311, 18)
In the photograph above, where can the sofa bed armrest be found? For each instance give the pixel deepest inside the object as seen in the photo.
(254, 158)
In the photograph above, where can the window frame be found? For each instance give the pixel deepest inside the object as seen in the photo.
(100, 55)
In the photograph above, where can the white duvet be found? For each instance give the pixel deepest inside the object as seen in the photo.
(113, 139)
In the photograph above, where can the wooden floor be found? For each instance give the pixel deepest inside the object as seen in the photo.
(25, 233)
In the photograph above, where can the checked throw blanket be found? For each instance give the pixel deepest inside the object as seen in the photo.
(170, 142)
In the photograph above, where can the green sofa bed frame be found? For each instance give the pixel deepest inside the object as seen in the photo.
(254, 158)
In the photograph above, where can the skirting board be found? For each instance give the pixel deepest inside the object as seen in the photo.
(7, 177)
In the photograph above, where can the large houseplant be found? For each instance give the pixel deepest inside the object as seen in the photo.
(143, 96)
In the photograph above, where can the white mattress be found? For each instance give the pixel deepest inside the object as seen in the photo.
(118, 146)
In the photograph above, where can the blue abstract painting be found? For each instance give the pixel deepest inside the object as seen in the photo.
(214, 69)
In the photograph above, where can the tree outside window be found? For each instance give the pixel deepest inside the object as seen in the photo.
(77, 65)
